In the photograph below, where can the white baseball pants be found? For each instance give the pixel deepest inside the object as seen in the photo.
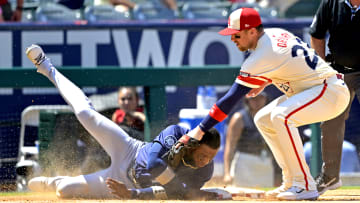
(121, 148)
(278, 122)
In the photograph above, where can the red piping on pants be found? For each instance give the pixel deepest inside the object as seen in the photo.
(291, 139)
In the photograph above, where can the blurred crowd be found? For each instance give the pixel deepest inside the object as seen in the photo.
(110, 10)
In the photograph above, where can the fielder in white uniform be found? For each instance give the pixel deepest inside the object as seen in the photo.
(313, 92)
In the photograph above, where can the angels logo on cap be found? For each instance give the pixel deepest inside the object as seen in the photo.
(241, 19)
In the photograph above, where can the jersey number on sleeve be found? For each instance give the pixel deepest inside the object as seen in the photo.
(311, 63)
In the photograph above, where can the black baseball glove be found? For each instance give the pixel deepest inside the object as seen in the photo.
(179, 149)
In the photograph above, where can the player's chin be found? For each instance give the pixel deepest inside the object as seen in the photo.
(242, 49)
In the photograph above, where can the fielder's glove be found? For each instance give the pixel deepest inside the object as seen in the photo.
(179, 149)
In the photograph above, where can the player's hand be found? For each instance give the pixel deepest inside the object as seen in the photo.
(194, 134)
(256, 91)
(118, 189)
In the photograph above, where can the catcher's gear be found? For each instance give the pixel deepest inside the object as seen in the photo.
(179, 149)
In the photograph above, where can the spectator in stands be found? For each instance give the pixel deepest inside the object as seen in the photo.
(124, 5)
(1, 17)
(244, 140)
(72, 4)
(8, 14)
(280, 5)
(171, 4)
(120, 5)
(130, 115)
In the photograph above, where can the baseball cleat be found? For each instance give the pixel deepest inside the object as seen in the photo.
(35, 54)
(297, 193)
(325, 183)
(39, 184)
(39, 59)
(272, 194)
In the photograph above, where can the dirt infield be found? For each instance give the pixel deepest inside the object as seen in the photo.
(336, 195)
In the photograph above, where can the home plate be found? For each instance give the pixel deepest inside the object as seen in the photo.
(233, 192)
(246, 192)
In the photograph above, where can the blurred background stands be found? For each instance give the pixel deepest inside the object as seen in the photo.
(205, 10)
(153, 11)
(96, 10)
(104, 13)
(54, 12)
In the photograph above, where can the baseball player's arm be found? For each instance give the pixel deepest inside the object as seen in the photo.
(222, 108)
(235, 128)
(157, 167)
(243, 84)
(319, 46)
(120, 190)
(218, 113)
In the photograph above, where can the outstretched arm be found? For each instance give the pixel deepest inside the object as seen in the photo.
(221, 109)
(217, 114)
(119, 189)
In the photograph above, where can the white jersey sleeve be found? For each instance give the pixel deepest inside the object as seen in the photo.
(284, 60)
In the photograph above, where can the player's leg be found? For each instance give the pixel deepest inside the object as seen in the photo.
(111, 137)
(310, 106)
(332, 141)
(90, 185)
(263, 123)
(45, 184)
(83, 186)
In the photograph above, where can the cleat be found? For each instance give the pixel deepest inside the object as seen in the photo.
(39, 59)
(297, 193)
(35, 54)
(272, 194)
(325, 183)
(44, 184)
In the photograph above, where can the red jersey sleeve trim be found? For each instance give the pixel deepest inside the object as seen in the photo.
(251, 81)
(217, 114)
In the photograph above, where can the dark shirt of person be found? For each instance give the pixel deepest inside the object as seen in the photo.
(342, 21)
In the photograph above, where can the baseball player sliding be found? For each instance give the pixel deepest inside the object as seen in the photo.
(313, 92)
(135, 163)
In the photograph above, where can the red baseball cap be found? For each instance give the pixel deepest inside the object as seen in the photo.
(241, 19)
